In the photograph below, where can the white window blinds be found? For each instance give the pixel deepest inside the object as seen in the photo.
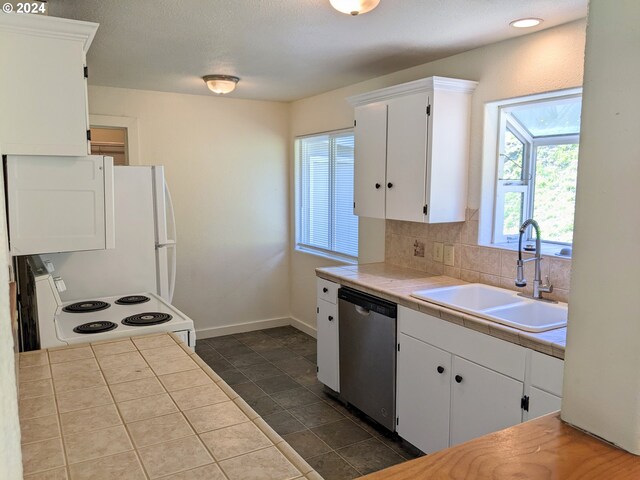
(325, 219)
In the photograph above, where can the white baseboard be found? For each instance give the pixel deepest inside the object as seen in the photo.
(304, 327)
(256, 325)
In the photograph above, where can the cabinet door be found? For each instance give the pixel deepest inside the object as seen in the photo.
(328, 350)
(59, 204)
(370, 160)
(482, 401)
(424, 378)
(407, 157)
(542, 403)
(43, 94)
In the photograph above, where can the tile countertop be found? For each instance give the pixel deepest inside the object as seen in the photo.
(142, 408)
(396, 284)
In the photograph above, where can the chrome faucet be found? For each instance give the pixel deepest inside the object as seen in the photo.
(538, 287)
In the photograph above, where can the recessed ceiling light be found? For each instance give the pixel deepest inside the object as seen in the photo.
(354, 7)
(221, 84)
(526, 22)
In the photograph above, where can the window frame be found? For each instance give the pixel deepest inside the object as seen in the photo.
(299, 187)
(527, 183)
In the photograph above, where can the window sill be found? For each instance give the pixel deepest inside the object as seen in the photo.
(328, 255)
(548, 249)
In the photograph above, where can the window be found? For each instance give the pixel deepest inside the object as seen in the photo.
(537, 168)
(325, 222)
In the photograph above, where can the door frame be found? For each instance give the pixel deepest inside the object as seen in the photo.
(130, 123)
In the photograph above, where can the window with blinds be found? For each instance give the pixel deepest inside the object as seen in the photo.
(324, 194)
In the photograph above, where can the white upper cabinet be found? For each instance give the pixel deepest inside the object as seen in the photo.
(417, 133)
(62, 204)
(370, 165)
(43, 91)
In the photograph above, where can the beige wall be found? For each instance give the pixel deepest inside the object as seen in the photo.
(602, 379)
(540, 62)
(226, 165)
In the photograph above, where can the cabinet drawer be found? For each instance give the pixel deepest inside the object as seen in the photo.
(499, 355)
(327, 290)
(547, 373)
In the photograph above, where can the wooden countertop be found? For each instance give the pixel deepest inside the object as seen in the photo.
(545, 448)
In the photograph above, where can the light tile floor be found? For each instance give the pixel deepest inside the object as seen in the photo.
(274, 371)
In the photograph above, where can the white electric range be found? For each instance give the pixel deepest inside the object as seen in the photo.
(105, 318)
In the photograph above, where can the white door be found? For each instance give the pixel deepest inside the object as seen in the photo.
(370, 160)
(43, 94)
(407, 157)
(59, 204)
(328, 345)
(482, 401)
(542, 403)
(424, 379)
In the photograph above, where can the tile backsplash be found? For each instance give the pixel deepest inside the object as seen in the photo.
(410, 245)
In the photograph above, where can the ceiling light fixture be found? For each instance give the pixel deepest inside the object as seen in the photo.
(221, 84)
(526, 22)
(354, 7)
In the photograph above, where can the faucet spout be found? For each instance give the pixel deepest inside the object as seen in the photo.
(538, 287)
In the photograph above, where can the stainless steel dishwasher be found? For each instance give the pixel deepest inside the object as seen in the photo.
(368, 355)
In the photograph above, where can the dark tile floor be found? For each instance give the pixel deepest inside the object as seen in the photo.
(274, 370)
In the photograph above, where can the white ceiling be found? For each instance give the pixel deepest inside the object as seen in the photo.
(288, 49)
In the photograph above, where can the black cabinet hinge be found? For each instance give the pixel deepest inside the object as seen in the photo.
(317, 369)
(317, 309)
(425, 209)
(85, 71)
(397, 421)
(428, 109)
(398, 347)
(89, 135)
(354, 205)
(355, 122)
(524, 403)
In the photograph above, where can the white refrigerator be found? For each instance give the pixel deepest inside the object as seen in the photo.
(144, 257)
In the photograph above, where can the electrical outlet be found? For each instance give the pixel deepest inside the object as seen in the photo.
(437, 251)
(449, 252)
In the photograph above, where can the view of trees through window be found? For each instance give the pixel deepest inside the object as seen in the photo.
(538, 169)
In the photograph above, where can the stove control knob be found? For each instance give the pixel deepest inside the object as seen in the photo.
(59, 283)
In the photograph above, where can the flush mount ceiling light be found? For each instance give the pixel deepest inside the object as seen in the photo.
(354, 7)
(221, 84)
(526, 22)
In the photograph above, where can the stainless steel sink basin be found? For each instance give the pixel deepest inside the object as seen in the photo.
(498, 305)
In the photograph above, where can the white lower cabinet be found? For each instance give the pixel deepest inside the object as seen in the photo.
(424, 396)
(541, 403)
(545, 385)
(482, 401)
(454, 384)
(328, 344)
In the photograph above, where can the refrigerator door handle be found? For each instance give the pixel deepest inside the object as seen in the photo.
(171, 242)
(172, 262)
(171, 219)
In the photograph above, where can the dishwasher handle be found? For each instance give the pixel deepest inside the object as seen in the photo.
(362, 311)
(368, 302)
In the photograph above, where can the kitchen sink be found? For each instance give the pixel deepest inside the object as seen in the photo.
(498, 305)
(532, 316)
(472, 297)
